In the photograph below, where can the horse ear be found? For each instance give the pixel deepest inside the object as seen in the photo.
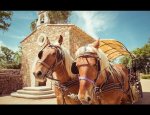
(96, 44)
(60, 40)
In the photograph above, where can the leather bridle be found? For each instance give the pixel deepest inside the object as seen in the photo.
(104, 87)
(59, 60)
(93, 55)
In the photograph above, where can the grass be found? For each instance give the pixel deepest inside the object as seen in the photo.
(145, 76)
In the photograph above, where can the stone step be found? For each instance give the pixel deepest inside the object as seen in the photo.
(22, 91)
(29, 96)
(38, 88)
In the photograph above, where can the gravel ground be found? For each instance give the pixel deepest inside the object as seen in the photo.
(13, 100)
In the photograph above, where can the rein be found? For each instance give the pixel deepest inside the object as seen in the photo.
(56, 64)
(97, 90)
(62, 86)
(88, 54)
(65, 86)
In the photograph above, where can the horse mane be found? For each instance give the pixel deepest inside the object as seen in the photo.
(104, 62)
(68, 62)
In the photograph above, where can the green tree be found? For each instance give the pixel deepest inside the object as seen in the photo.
(4, 17)
(17, 56)
(7, 54)
(142, 57)
(149, 41)
(33, 25)
(56, 17)
(126, 60)
(10, 59)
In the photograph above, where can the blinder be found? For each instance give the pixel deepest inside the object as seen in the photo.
(40, 54)
(74, 68)
(59, 53)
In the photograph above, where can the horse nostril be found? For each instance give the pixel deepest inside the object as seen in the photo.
(39, 73)
(88, 99)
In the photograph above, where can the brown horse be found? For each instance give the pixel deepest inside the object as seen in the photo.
(100, 81)
(55, 63)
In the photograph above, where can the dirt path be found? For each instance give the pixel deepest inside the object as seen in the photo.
(146, 91)
(14, 100)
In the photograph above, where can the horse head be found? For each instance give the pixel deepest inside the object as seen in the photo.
(88, 65)
(49, 59)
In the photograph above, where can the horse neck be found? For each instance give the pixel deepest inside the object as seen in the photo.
(104, 63)
(61, 74)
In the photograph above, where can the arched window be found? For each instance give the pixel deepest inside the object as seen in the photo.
(42, 18)
(41, 39)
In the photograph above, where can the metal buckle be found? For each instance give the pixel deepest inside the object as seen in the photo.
(97, 90)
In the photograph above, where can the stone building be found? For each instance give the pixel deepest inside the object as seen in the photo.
(73, 36)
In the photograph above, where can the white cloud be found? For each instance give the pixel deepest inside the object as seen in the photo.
(94, 22)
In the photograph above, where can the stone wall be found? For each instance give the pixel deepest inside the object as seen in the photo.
(78, 38)
(10, 81)
(73, 38)
(30, 48)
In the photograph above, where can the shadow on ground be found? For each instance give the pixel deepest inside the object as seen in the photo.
(146, 98)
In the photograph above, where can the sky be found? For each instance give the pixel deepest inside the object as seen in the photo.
(132, 28)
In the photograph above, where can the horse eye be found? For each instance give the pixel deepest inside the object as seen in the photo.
(40, 54)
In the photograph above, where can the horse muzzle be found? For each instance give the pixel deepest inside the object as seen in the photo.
(39, 76)
(85, 99)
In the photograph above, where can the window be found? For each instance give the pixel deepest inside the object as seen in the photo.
(41, 39)
(42, 18)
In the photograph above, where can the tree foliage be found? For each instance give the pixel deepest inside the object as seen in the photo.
(56, 17)
(10, 59)
(126, 60)
(4, 17)
(33, 25)
(142, 57)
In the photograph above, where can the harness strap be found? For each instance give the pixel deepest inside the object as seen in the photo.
(105, 88)
(119, 74)
(111, 86)
(45, 64)
(65, 86)
(87, 79)
(60, 59)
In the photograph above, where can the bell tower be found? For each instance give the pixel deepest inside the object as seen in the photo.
(43, 18)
